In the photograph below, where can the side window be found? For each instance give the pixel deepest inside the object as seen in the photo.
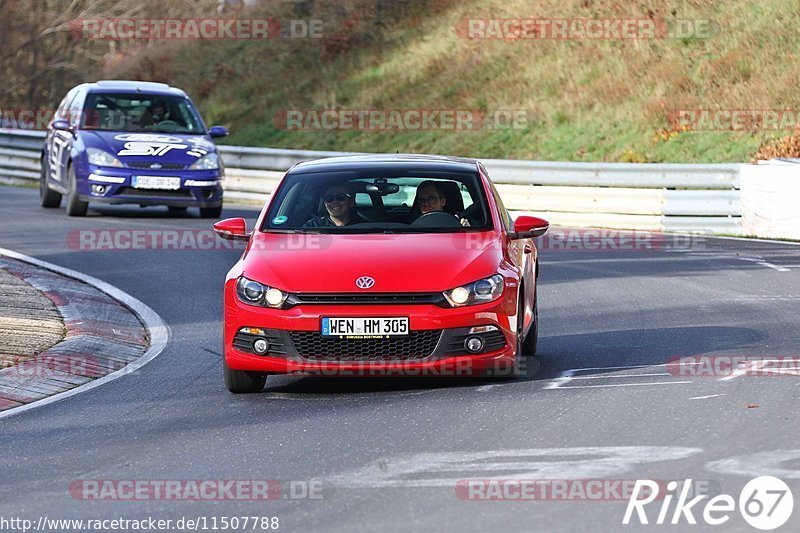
(466, 197)
(76, 108)
(61, 112)
(508, 221)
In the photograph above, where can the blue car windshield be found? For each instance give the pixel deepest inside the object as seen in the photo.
(140, 112)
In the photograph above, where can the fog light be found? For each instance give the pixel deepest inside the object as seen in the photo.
(473, 344)
(260, 346)
(99, 189)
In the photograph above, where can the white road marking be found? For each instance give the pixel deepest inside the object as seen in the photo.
(487, 388)
(156, 328)
(623, 376)
(760, 464)
(763, 263)
(626, 385)
(706, 397)
(759, 365)
(569, 375)
(446, 469)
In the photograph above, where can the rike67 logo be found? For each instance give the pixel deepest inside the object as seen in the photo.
(765, 503)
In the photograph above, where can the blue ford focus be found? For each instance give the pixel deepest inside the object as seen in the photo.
(131, 142)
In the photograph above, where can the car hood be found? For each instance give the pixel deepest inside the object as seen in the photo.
(398, 262)
(151, 147)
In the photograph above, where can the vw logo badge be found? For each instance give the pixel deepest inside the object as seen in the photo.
(365, 282)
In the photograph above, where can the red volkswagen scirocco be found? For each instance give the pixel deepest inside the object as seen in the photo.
(381, 265)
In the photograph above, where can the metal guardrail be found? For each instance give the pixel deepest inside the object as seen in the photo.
(657, 197)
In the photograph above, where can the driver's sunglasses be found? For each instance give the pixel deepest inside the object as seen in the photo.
(429, 200)
(341, 197)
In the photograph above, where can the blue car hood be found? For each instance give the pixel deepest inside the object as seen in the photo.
(168, 148)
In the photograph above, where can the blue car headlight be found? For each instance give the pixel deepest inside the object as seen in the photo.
(101, 158)
(479, 292)
(207, 162)
(255, 293)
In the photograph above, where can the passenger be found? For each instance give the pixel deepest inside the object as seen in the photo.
(430, 199)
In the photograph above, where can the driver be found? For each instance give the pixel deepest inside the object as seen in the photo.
(157, 112)
(340, 205)
(431, 199)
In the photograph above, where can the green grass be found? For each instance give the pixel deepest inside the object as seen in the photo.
(588, 100)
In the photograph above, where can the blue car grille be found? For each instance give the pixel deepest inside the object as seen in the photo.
(154, 193)
(149, 165)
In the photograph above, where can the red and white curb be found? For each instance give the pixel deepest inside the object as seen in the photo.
(104, 341)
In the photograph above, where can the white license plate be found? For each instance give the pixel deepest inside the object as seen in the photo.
(364, 327)
(156, 182)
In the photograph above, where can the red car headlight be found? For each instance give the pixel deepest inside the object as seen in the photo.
(252, 292)
(481, 291)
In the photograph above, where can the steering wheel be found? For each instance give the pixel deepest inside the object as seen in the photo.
(437, 219)
(167, 123)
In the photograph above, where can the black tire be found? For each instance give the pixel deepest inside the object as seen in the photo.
(75, 206)
(242, 381)
(176, 210)
(48, 198)
(211, 212)
(531, 342)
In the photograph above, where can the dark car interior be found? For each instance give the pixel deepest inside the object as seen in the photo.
(377, 201)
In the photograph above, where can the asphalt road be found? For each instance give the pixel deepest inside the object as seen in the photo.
(388, 453)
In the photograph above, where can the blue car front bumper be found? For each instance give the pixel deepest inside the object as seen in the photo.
(198, 188)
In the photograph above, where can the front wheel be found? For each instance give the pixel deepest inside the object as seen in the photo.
(75, 206)
(242, 381)
(47, 197)
(530, 344)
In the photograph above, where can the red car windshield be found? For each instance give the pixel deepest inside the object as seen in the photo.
(370, 202)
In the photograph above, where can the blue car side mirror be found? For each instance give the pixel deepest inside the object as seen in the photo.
(218, 131)
(61, 125)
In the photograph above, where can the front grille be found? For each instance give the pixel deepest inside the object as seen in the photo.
(408, 298)
(149, 165)
(154, 193)
(416, 345)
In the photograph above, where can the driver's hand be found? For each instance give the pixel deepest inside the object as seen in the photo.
(464, 222)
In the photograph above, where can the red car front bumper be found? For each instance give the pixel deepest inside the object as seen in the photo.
(497, 359)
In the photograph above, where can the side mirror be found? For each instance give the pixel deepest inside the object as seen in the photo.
(526, 227)
(232, 229)
(61, 125)
(218, 131)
